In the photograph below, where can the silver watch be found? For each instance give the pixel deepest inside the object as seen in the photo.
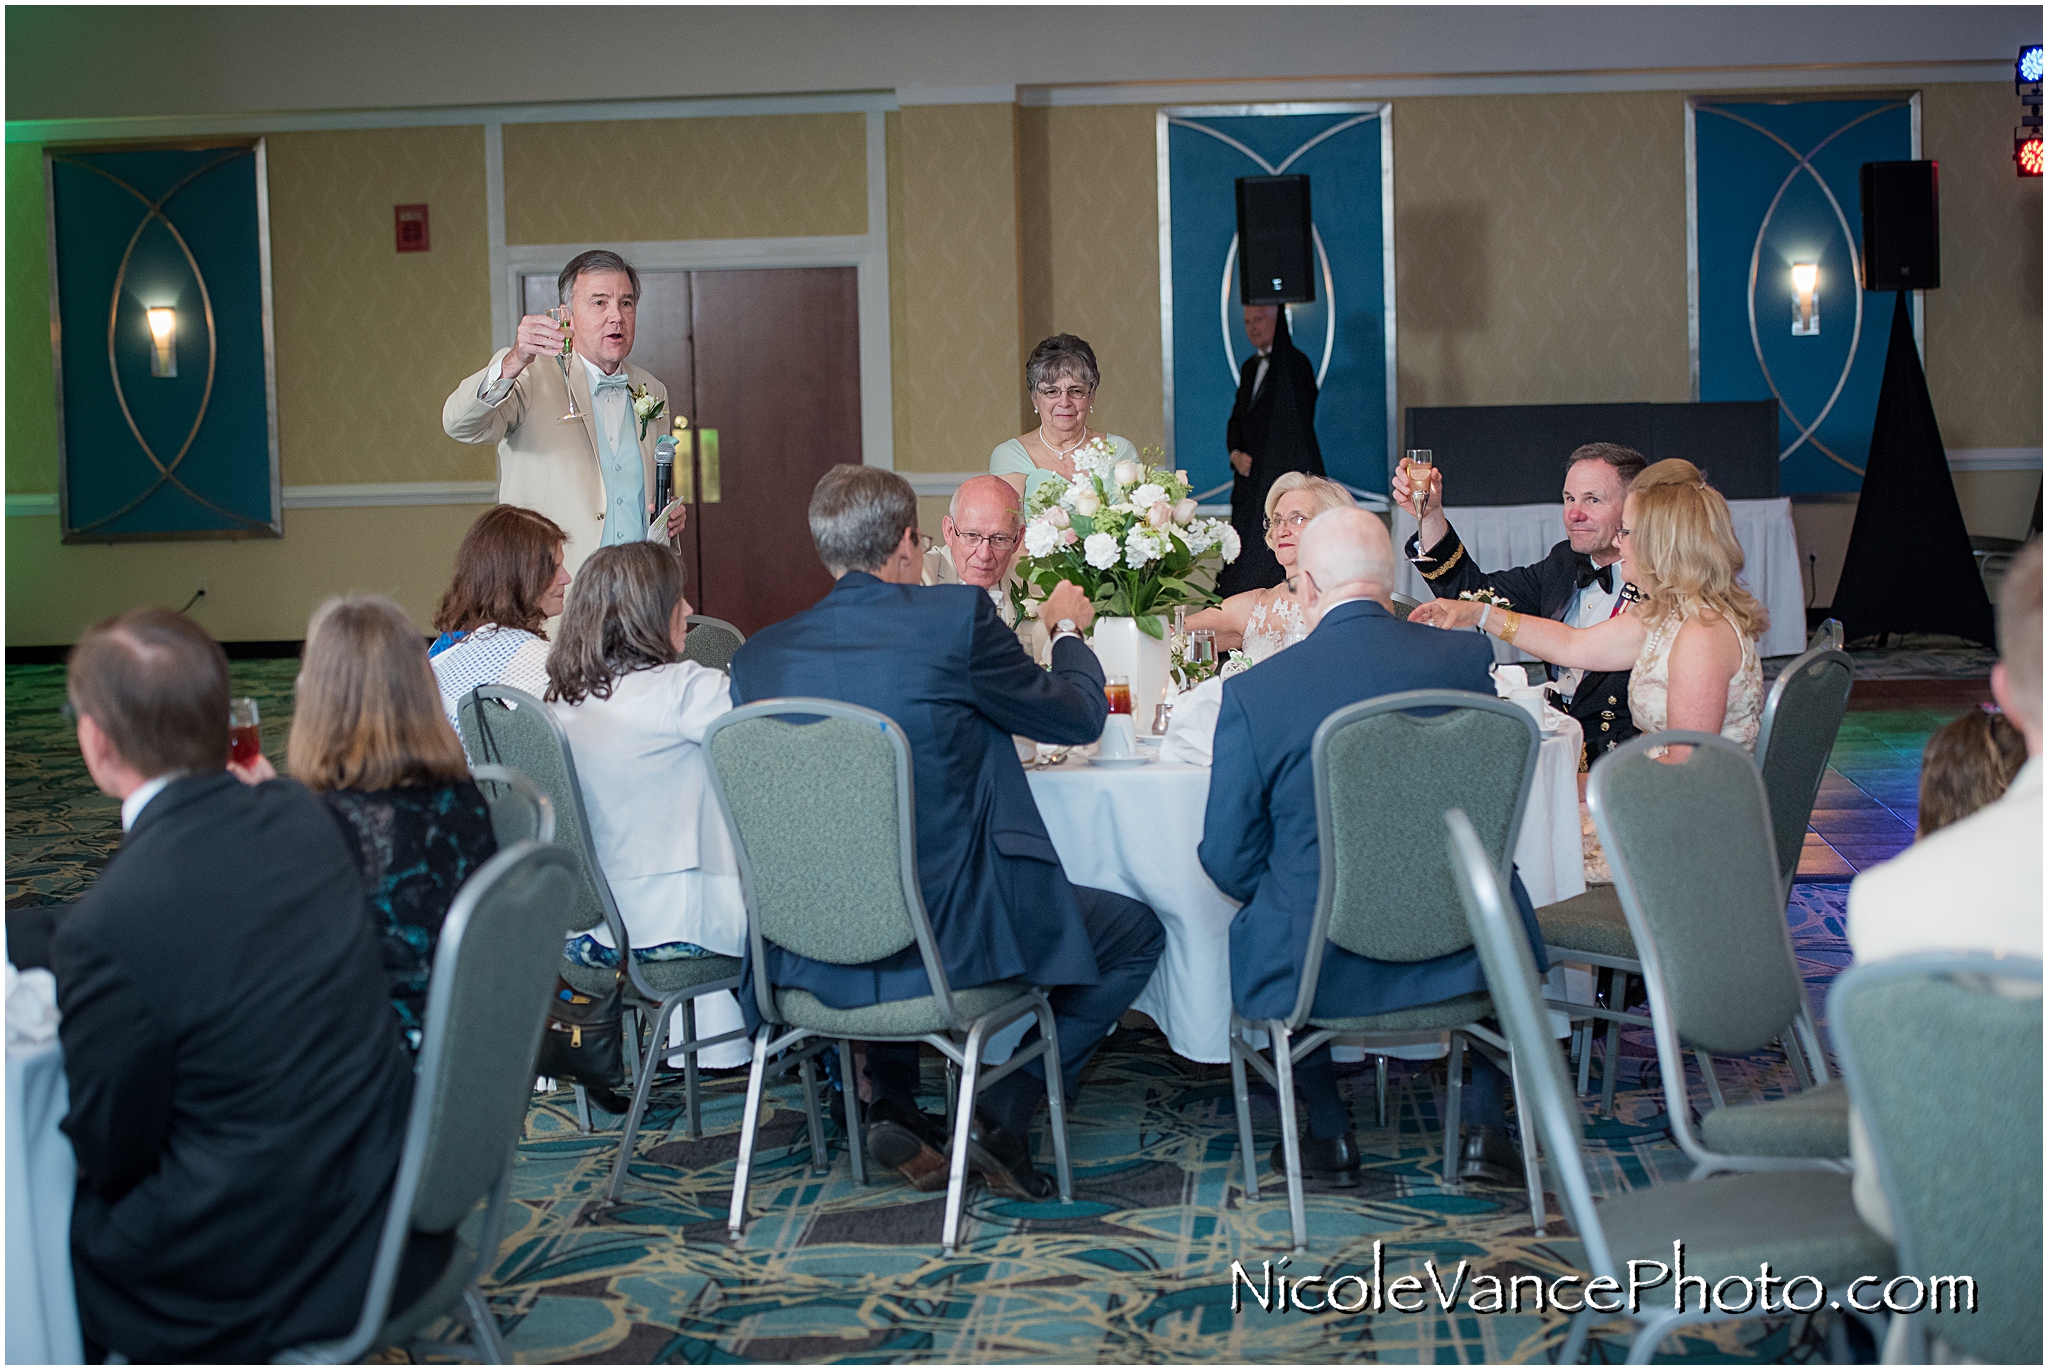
(1065, 625)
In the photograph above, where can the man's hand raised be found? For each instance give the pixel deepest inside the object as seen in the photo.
(538, 336)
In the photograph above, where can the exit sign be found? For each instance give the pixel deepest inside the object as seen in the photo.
(412, 227)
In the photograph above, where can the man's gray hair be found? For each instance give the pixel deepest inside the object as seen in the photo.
(1016, 504)
(859, 515)
(597, 260)
(1339, 547)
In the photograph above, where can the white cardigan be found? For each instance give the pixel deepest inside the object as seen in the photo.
(660, 839)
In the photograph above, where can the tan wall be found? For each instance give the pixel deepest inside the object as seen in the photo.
(31, 378)
(663, 180)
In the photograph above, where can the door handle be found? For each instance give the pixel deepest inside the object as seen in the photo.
(707, 461)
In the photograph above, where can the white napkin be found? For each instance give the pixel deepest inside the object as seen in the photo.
(1191, 734)
(1509, 678)
(31, 1008)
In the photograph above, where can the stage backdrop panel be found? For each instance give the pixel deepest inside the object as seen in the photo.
(1771, 183)
(1347, 152)
(144, 456)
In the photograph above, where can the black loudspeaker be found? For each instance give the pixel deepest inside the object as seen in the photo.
(1901, 225)
(1276, 259)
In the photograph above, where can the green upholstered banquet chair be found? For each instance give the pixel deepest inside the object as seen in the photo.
(711, 642)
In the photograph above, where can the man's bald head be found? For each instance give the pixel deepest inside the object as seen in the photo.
(985, 497)
(983, 507)
(1346, 554)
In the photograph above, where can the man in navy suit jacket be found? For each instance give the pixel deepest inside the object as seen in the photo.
(1259, 840)
(940, 662)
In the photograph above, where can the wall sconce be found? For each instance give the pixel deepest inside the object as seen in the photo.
(1805, 300)
(163, 328)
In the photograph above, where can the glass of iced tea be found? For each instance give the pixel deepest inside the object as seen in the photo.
(245, 737)
(1118, 689)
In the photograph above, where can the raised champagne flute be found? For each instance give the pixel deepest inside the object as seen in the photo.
(562, 315)
(1421, 461)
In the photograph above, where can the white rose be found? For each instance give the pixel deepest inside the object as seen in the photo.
(1058, 517)
(1232, 544)
(1181, 476)
(1040, 537)
(1147, 495)
(1140, 546)
(1101, 551)
(1160, 514)
(1087, 503)
(1128, 473)
(1197, 539)
(1184, 511)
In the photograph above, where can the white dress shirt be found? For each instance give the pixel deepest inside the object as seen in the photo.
(1589, 607)
(139, 797)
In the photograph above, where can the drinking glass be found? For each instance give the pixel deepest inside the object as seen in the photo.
(563, 316)
(1201, 648)
(1420, 462)
(1118, 690)
(245, 738)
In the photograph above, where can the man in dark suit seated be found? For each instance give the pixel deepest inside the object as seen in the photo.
(1259, 839)
(1575, 584)
(940, 662)
(238, 1087)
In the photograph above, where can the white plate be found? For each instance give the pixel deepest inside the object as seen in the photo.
(1119, 763)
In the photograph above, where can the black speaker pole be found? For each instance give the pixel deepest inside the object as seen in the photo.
(1909, 567)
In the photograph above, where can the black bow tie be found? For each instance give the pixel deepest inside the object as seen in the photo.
(1588, 573)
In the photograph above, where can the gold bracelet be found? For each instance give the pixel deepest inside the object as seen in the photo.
(1509, 626)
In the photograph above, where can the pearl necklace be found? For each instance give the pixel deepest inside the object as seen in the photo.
(1068, 455)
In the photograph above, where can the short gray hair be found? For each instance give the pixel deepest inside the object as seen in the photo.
(1062, 354)
(1346, 545)
(859, 515)
(597, 260)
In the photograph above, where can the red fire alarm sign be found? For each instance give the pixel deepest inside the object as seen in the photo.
(412, 227)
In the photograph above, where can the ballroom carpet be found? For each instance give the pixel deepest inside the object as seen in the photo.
(1138, 1268)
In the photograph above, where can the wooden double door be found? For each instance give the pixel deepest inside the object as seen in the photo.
(766, 366)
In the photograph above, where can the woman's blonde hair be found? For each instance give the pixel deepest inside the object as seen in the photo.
(368, 714)
(615, 621)
(1684, 556)
(1326, 493)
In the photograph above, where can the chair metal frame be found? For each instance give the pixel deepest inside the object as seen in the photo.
(642, 997)
(520, 784)
(421, 1138)
(963, 1054)
(1287, 1050)
(696, 621)
(1801, 1037)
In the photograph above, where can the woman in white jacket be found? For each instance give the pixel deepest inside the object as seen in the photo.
(635, 713)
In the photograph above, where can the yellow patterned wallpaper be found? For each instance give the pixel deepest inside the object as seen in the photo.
(959, 370)
(1983, 327)
(1089, 219)
(664, 180)
(31, 378)
(1540, 249)
(370, 340)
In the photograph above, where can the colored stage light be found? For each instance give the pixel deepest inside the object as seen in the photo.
(2026, 151)
(2027, 71)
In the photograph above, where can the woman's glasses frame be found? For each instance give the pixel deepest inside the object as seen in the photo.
(1295, 521)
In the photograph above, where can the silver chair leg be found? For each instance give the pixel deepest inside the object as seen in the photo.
(1379, 1086)
(1610, 1065)
(807, 1074)
(1582, 1042)
(1713, 1080)
(582, 1108)
(1453, 1122)
(1649, 1337)
(1290, 1141)
(643, 1085)
(953, 1093)
(963, 1120)
(690, 1114)
(1575, 1339)
(1056, 1102)
(750, 1124)
(483, 1329)
(1242, 1094)
(855, 1141)
(1532, 1164)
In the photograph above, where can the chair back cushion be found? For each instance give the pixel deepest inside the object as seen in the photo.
(1801, 718)
(815, 812)
(487, 1002)
(527, 739)
(1691, 849)
(1383, 781)
(1945, 1069)
(711, 642)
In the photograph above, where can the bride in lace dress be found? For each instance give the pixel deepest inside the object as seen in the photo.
(1262, 622)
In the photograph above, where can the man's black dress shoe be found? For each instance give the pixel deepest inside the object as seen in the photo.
(1331, 1161)
(911, 1141)
(1490, 1158)
(1003, 1160)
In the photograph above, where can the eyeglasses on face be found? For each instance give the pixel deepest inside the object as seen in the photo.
(1073, 391)
(1295, 521)
(1001, 542)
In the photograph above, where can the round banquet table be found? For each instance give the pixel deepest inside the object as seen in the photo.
(42, 1309)
(1135, 831)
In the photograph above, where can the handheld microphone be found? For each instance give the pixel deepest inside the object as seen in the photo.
(664, 474)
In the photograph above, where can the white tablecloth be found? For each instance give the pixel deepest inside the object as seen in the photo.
(1500, 536)
(1135, 832)
(42, 1309)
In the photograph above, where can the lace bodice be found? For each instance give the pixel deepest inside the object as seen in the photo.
(1649, 686)
(1273, 624)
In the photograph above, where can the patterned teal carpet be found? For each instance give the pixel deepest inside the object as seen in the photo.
(1137, 1269)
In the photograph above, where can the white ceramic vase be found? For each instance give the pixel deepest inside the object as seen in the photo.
(1127, 650)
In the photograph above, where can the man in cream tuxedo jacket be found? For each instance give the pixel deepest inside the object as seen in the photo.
(594, 476)
(985, 507)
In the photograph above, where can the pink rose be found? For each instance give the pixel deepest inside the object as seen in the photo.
(1069, 537)
(1159, 515)
(1058, 517)
(1183, 511)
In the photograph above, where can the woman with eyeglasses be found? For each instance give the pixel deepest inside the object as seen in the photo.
(1061, 376)
(1261, 622)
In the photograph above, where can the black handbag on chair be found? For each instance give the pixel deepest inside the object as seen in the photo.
(582, 1045)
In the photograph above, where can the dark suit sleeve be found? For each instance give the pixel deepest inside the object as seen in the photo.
(1064, 705)
(1454, 573)
(1237, 830)
(118, 1063)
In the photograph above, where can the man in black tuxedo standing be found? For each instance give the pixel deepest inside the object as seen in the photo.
(238, 1087)
(1577, 584)
(1272, 431)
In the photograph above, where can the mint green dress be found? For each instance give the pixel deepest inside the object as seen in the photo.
(1011, 459)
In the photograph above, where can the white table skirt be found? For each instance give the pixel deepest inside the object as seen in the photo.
(1135, 832)
(42, 1307)
(1504, 535)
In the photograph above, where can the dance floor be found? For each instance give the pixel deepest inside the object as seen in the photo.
(1137, 1269)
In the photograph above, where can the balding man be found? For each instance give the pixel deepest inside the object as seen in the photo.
(983, 528)
(1259, 839)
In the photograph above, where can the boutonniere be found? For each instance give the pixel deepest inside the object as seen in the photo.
(646, 408)
(1483, 596)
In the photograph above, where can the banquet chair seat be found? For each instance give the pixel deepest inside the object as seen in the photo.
(486, 1009)
(820, 801)
(711, 642)
(1385, 897)
(1798, 1222)
(1708, 916)
(1589, 929)
(508, 727)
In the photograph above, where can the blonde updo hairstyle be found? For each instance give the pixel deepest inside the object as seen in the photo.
(1684, 556)
(1326, 493)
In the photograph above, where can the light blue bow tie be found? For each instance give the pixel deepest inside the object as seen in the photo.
(618, 380)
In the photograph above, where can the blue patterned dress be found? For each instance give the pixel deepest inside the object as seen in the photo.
(417, 845)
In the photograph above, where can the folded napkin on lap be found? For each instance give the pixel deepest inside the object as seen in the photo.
(31, 1008)
(1191, 733)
